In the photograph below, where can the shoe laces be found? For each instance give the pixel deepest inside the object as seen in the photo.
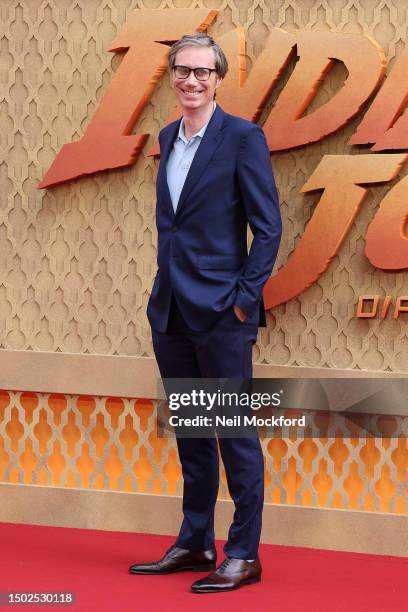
(224, 564)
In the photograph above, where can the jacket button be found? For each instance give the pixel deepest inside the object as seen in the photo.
(174, 228)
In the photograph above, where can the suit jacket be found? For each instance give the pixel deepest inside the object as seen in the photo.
(202, 248)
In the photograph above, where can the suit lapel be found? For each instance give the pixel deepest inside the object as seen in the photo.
(164, 156)
(205, 151)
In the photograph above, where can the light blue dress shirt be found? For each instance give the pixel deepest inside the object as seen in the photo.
(180, 160)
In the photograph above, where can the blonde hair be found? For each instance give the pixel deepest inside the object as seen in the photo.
(200, 39)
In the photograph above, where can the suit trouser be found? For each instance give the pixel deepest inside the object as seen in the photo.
(225, 351)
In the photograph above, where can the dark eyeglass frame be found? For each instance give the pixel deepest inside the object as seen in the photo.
(190, 70)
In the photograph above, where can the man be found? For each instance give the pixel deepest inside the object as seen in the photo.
(214, 179)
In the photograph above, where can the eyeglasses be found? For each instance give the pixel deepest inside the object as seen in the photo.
(201, 74)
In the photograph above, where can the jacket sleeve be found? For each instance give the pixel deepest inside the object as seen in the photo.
(260, 200)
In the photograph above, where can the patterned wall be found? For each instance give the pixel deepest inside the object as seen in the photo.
(77, 262)
(112, 444)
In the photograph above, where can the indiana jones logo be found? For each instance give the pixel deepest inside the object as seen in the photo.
(109, 143)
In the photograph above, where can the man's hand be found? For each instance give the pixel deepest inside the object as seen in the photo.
(240, 314)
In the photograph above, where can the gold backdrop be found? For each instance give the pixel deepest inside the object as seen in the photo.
(77, 261)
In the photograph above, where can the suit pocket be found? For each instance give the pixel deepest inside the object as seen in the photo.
(223, 164)
(219, 262)
(218, 159)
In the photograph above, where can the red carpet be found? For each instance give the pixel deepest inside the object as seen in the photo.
(94, 565)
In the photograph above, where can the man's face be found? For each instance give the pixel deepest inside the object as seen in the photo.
(192, 93)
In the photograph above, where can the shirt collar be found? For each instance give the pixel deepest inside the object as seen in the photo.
(199, 134)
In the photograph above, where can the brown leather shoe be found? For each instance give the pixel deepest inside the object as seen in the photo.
(178, 560)
(230, 575)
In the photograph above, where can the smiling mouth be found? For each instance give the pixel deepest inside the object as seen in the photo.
(191, 93)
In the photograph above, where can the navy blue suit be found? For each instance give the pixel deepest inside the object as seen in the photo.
(202, 249)
(203, 270)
